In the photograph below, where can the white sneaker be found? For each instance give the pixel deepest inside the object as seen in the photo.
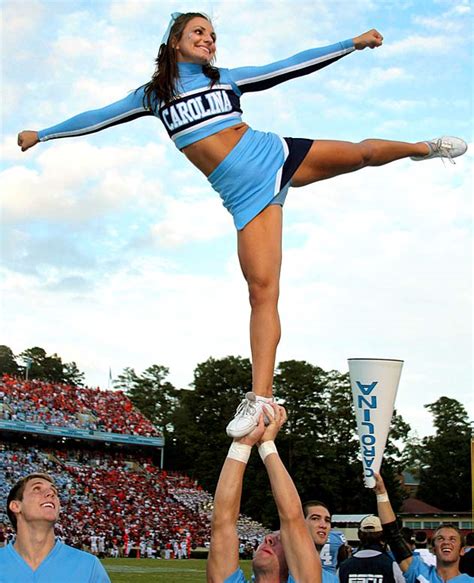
(246, 416)
(444, 147)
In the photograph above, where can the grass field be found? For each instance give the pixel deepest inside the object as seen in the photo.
(160, 571)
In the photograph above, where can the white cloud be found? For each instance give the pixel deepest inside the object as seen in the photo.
(463, 8)
(353, 82)
(134, 9)
(391, 127)
(448, 21)
(187, 220)
(103, 49)
(17, 24)
(400, 105)
(439, 23)
(419, 44)
(77, 181)
(74, 47)
(152, 306)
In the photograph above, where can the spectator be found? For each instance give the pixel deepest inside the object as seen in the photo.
(326, 541)
(447, 544)
(371, 562)
(33, 508)
(466, 564)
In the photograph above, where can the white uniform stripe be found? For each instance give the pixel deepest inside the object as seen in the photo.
(286, 70)
(278, 186)
(97, 126)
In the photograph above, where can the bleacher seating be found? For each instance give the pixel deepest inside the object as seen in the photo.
(68, 406)
(119, 497)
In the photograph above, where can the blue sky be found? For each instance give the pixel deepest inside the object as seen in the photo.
(116, 252)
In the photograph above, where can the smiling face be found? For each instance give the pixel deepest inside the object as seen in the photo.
(270, 556)
(197, 43)
(447, 545)
(318, 521)
(39, 502)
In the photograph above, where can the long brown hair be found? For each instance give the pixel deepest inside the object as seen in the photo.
(163, 81)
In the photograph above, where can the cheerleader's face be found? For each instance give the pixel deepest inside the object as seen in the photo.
(197, 43)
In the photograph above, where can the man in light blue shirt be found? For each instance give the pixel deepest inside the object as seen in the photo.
(35, 556)
(326, 541)
(447, 546)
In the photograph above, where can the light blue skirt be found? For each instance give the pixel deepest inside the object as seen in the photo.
(251, 176)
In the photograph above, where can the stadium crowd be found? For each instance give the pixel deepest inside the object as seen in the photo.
(68, 406)
(118, 504)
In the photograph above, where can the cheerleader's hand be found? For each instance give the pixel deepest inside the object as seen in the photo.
(27, 139)
(371, 39)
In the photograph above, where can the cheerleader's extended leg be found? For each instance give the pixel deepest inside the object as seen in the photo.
(329, 158)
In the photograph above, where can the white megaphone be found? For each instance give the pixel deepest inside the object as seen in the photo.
(374, 383)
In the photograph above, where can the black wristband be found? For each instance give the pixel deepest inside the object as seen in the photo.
(398, 544)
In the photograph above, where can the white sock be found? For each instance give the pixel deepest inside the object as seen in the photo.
(264, 399)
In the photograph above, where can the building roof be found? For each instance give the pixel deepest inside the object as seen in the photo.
(415, 506)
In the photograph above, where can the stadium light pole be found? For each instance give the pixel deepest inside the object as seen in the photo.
(28, 362)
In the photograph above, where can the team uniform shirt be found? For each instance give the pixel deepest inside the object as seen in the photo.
(328, 554)
(370, 565)
(328, 577)
(420, 572)
(426, 556)
(258, 170)
(63, 564)
(201, 109)
(239, 577)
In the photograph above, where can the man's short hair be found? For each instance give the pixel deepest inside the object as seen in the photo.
(448, 525)
(16, 493)
(309, 503)
(368, 538)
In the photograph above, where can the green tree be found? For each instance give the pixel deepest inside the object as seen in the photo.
(72, 375)
(413, 454)
(152, 394)
(43, 367)
(8, 364)
(126, 380)
(51, 367)
(203, 413)
(445, 471)
(302, 388)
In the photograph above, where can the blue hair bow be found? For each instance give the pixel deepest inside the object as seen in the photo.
(173, 18)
